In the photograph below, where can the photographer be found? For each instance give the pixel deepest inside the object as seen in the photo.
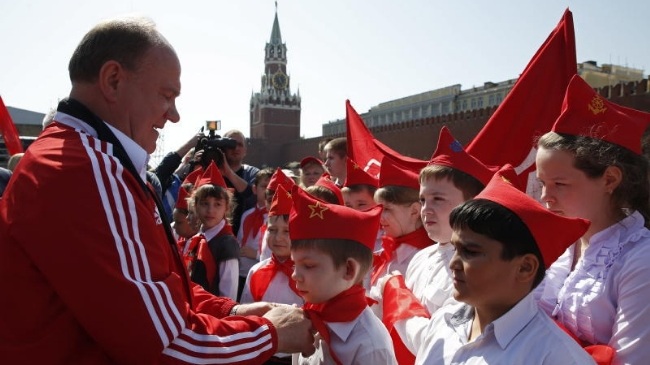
(239, 176)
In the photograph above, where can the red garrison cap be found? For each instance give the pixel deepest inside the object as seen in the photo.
(325, 181)
(313, 219)
(553, 233)
(279, 178)
(211, 176)
(193, 176)
(586, 113)
(450, 153)
(396, 174)
(310, 159)
(281, 204)
(356, 175)
(181, 201)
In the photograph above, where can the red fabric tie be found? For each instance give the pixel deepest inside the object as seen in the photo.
(602, 354)
(261, 278)
(253, 223)
(418, 239)
(188, 252)
(400, 303)
(345, 307)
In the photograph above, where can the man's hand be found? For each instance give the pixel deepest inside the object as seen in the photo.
(294, 329)
(253, 309)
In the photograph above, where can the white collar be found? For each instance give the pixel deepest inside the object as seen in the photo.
(139, 157)
(211, 232)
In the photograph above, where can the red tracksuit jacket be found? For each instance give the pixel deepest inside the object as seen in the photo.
(87, 274)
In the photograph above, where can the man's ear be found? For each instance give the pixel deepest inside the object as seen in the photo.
(110, 75)
(352, 269)
(527, 268)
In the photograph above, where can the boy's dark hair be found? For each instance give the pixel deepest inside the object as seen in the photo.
(217, 192)
(323, 194)
(339, 250)
(338, 146)
(264, 173)
(358, 188)
(593, 156)
(464, 182)
(499, 223)
(400, 195)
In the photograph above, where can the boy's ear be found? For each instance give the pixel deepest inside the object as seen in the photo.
(527, 268)
(415, 208)
(352, 268)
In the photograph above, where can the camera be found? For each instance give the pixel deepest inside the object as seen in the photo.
(213, 145)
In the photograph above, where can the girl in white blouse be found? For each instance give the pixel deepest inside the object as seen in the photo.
(590, 166)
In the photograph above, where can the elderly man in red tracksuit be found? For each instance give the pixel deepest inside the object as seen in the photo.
(88, 268)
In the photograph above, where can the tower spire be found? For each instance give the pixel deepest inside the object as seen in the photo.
(276, 37)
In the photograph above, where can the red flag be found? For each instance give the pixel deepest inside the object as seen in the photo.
(8, 130)
(365, 150)
(531, 107)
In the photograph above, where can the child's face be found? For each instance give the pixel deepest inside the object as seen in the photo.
(259, 190)
(316, 277)
(568, 191)
(438, 197)
(182, 224)
(278, 237)
(359, 200)
(398, 220)
(335, 164)
(310, 174)
(268, 198)
(211, 211)
(481, 277)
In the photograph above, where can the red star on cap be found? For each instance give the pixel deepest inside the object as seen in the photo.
(317, 210)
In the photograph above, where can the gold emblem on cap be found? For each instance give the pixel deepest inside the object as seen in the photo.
(597, 105)
(317, 210)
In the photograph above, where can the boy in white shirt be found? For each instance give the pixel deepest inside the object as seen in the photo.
(330, 263)
(503, 244)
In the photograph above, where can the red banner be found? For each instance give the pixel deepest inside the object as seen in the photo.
(8, 130)
(531, 107)
(365, 150)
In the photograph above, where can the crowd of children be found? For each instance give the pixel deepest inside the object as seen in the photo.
(448, 261)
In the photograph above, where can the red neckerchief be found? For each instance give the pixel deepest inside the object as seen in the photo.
(345, 307)
(188, 252)
(400, 303)
(418, 239)
(253, 223)
(204, 254)
(602, 354)
(180, 244)
(261, 278)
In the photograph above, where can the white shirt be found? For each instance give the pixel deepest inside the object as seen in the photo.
(252, 242)
(400, 262)
(363, 341)
(523, 335)
(605, 299)
(228, 269)
(278, 290)
(428, 276)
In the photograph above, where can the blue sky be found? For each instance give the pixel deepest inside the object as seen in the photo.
(365, 51)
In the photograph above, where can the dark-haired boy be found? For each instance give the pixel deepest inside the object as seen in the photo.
(503, 246)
